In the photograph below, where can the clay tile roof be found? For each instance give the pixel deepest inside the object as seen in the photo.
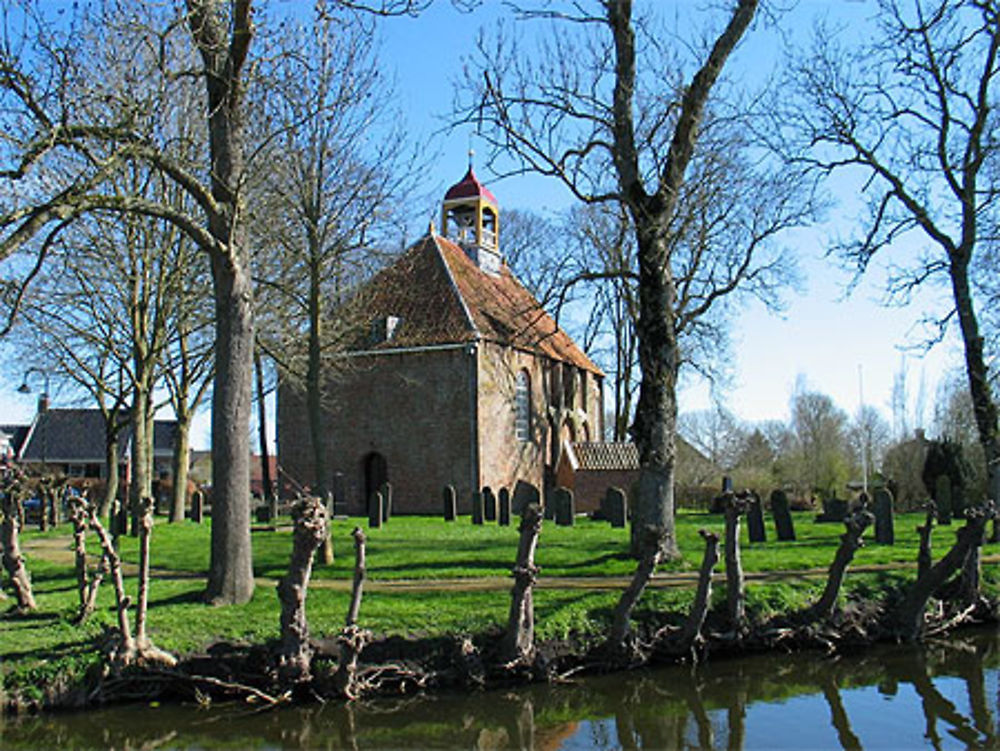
(603, 456)
(441, 297)
(469, 187)
(418, 290)
(503, 311)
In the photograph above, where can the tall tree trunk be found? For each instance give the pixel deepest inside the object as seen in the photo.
(111, 447)
(983, 405)
(314, 384)
(223, 44)
(230, 576)
(181, 467)
(655, 426)
(142, 483)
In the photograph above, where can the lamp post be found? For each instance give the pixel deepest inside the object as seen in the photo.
(43, 401)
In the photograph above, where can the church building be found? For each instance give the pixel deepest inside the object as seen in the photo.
(459, 377)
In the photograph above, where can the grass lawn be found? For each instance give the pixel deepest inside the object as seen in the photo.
(428, 548)
(44, 644)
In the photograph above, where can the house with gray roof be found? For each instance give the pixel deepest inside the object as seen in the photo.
(73, 441)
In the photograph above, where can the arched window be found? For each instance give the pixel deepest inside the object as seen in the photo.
(522, 406)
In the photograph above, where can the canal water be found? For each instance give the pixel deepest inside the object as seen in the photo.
(943, 696)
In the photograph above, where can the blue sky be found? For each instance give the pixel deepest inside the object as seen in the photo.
(821, 337)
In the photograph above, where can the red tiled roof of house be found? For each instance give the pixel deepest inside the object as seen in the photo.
(442, 297)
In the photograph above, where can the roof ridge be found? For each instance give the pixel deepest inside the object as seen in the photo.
(454, 286)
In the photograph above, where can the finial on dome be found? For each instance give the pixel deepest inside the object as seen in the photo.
(472, 153)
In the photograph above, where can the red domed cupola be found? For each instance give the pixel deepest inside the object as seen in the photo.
(470, 217)
(470, 187)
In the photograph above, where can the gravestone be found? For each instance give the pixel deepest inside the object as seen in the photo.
(504, 511)
(524, 494)
(450, 505)
(197, 506)
(942, 497)
(834, 510)
(616, 507)
(477, 507)
(339, 495)
(565, 507)
(782, 516)
(885, 533)
(263, 514)
(489, 504)
(386, 491)
(375, 511)
(756, 529)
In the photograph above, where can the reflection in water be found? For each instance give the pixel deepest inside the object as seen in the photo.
(937, 697)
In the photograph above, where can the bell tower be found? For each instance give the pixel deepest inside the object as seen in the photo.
(470, 218)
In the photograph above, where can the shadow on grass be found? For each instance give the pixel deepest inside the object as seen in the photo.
(66, 649)
(194, 597)
(41, 619)
(441, 568)
(596, 561)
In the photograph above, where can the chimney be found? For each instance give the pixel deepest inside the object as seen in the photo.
(43, 403)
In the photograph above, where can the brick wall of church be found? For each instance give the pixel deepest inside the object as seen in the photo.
(558, 401)
(504, 459)
(412, 409)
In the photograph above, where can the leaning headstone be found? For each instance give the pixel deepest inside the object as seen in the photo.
(616, 507)
(477, 507)
(782, 516)
(386, 491)
(504, 510)
(197, 506)
(375, 511)
(565, 507)
(449, 502)
(756, 529)
(489, 504)
(884, 531)
(942, 497)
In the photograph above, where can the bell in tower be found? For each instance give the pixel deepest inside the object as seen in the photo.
(469, 217)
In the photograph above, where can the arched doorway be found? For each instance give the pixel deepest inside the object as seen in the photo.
(376, 474)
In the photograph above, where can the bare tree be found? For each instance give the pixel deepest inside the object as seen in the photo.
(583, 110)
(339, 171)
(869, 436)
(911, 109)
(86, 98)
(820, 460)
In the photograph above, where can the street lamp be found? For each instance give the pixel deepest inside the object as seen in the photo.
(43, 400)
